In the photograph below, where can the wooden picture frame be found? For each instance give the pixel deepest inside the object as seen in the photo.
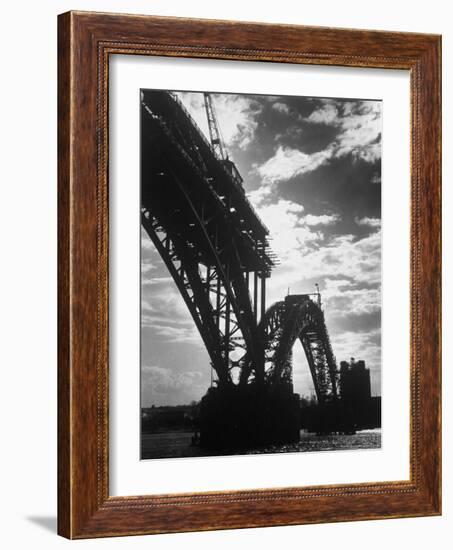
(85, 41)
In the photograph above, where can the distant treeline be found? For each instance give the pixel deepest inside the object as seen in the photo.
(169, 418)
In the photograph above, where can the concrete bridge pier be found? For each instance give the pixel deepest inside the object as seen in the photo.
(247, 417)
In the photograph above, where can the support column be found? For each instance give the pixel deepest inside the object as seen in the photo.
(208, 279)
(217, 305)
(263, 296)
(255, 294)
(227, 331)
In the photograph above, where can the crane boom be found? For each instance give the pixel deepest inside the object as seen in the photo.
(214, 130)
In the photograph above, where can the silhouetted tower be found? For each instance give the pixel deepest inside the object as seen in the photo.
(355, 391)
(355, 384)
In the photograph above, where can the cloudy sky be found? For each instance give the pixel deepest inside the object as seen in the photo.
(311, 168)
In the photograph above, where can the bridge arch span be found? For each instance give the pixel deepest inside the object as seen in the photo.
(298, 317)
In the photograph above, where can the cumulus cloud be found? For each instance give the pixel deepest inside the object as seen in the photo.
(165, 386)
(288, 163)
(345, 298)
(358, 133)
(281, 107)
(347, 256)
(236, 114)
(320, 257)
(370, 222)
(323, 219)
(164, 311)
(297, 240)
(356, 344)
(359, 126)
(327, 114)
(361, 134)
(288, 232)
(348, 267)
(171, 334)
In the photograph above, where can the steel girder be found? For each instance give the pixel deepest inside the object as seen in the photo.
(227, 266)
(193, 289)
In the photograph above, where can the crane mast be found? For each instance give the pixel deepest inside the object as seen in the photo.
(214, 130)
(217, 144)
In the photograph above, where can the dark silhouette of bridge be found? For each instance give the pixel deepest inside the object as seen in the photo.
(216, 248)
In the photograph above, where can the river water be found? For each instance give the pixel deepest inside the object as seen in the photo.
(178, 444)
(309, 442)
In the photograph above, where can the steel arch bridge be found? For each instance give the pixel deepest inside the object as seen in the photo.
(298, 317)
(216, 248)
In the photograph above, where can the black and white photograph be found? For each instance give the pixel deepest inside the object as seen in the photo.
(227, 275)
(260, 238)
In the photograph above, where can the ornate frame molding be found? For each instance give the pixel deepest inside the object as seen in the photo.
(86, 40)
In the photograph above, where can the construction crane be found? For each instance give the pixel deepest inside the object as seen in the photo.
(214, 130)
(217, 142)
